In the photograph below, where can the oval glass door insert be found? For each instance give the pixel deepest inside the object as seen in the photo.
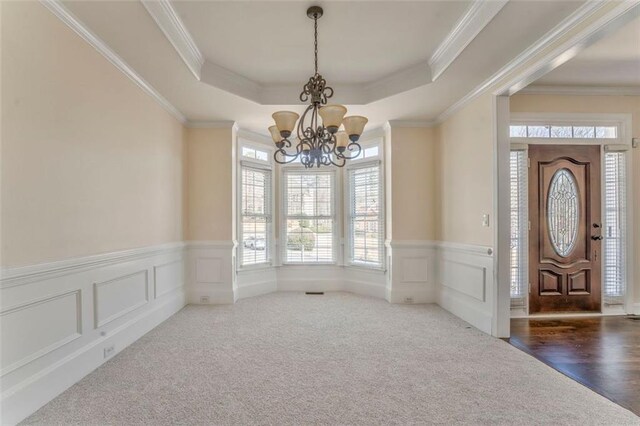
(563, 212)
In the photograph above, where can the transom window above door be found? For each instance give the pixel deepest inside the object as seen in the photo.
(563, 132)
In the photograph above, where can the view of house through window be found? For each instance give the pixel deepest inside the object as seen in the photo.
(255, 209)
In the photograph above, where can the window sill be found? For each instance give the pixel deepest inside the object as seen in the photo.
(371, 269)
(256, 267)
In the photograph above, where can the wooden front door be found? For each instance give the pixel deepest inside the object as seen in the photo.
(565, 237)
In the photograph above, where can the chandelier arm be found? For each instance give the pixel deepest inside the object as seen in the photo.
(301, 130)
(284, 155)
(352, 147)
(338, 164)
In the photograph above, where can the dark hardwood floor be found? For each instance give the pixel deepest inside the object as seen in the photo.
(602, 353)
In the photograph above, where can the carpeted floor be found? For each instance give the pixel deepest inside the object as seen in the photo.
(288, 358)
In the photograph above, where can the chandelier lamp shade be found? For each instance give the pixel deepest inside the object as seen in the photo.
(317, 143)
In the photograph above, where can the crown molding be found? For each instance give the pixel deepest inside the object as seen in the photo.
(174, 29)
(478, 16)
(61, 12)
(608, 22)
(252, 136)
(581, 90)
(412, 123)
(571, 22)
(398, 82)
(220, 124)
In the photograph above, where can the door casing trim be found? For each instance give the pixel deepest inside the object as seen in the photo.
(624, 124)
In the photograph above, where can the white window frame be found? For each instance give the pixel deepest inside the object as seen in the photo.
(358, 164)
(244, 142)
(296, 167)
(623, 142)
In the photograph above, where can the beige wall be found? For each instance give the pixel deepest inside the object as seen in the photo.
(413, 184)
(90, 163)
(210, 183)
(596, 104)
(464, 174)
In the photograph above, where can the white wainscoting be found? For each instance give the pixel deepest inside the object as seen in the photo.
(412, 268)
(211, 275)
(256, 281)
(363, 281)
(58, 318)
(465, 283)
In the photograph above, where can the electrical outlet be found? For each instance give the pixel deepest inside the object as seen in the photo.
(109, 351)
(408, 300)
(204, 299)
(485, 220)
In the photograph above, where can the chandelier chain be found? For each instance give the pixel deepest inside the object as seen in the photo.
(317, 145)
(315, 36)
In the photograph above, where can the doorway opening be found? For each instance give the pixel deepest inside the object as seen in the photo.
(570, 220)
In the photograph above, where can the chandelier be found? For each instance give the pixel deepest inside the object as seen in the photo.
(318, 144)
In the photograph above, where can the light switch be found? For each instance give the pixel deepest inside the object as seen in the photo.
(485, 220)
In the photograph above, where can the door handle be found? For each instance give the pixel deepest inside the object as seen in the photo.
(596, 237)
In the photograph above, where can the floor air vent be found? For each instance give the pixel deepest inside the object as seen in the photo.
(314, 292)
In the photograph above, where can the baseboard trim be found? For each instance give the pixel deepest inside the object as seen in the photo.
(26, 397)
(454, 302)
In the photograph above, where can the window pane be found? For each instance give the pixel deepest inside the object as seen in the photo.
(371, 152)
(519, 228)
(262, 155)
(565, 131)
(584, 132)
(606, 132)
(366, 222)
(254, 240)
(518, 131)
(255, 215)
(248, 152)
(561, 132)
(614, 231)
(538, 131)
(309, 240)
(309, 222)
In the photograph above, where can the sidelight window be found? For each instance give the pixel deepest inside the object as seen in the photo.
(615, 232)
(519, 227)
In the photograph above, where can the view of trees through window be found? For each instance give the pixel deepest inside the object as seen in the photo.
(309, 216)
(365, 216)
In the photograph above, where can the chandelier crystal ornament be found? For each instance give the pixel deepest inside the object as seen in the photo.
(318, 144)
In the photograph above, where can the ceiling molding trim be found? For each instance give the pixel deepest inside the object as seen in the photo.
(221, 124)
(610, 21)
(478, 16)
(398, 82)
(61, 12)
(174, 29)
(412, 123)
(252, 136)
(581, 90)
(231, 82)
(572, 21)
